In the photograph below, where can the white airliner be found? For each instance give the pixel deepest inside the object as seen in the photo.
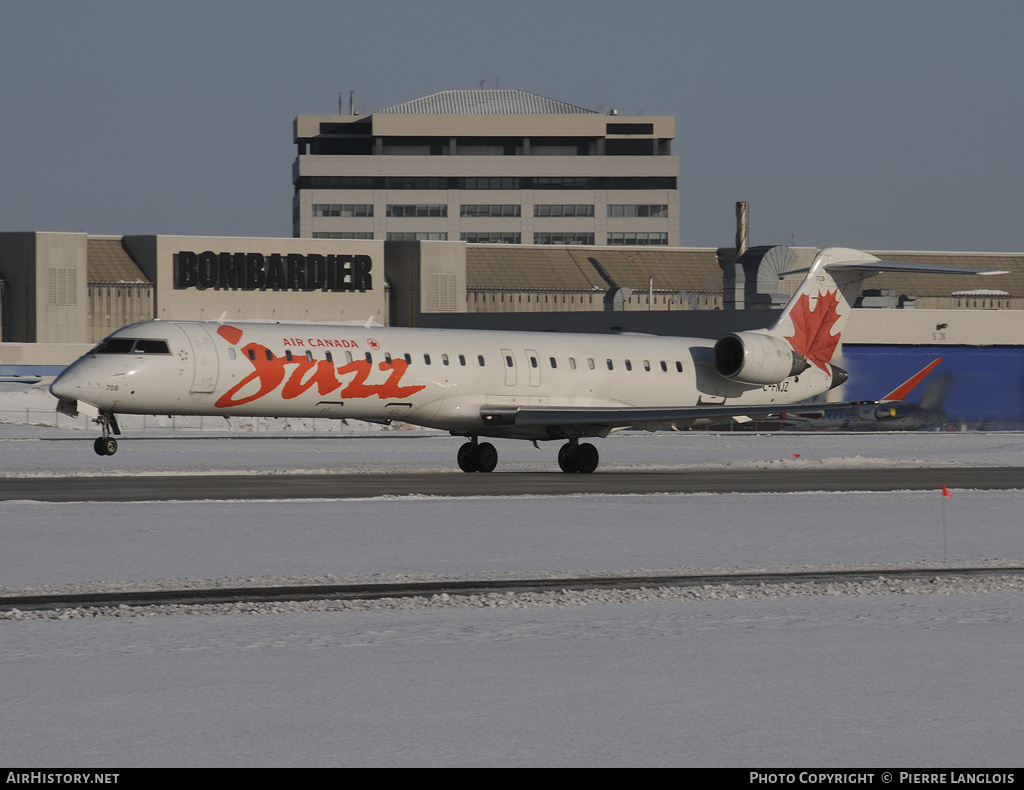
(472, 383)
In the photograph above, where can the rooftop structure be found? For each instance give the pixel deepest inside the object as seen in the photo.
(487, 166)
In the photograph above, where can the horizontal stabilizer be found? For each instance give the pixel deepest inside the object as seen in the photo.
(905, 267)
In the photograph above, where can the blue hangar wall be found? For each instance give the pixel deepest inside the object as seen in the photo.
(986, 383)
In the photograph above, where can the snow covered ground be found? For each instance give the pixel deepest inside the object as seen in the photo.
(876, 680)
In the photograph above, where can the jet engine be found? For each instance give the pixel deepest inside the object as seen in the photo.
(754, 358)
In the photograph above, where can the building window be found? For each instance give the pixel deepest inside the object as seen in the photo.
(490, 210)
(491, 238)
(418, 210)
(623, 210)
(343, 210)
(564, 238)
(344, 234)
(629, 128)
(638, 239)
(417, 237)
(560, 210)
(489, 182)
(564, 182)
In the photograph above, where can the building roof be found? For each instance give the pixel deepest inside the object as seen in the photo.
(515, 267)
(521, 267)
(485, 102)
(108, 262)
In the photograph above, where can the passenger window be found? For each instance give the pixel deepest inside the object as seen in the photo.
(369, 357)
(590, 362)
(288, 354)
(348, 356)
(408, 358)
(664, 367)
(679, 366)
(508, 361)
(533, 362)
(444, 359)
(270, 355)
(329, 357)
(426, 359)
(629, 365)
(610, 367)
(647, 365)
(309, 356)
(480, 359)
(387, 357)
(553, 363)
(572, 363)
(462, 360)
(231, 352)
(252, 354)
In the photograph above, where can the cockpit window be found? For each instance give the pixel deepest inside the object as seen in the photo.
(129, 345)
(151, 347)
(115, 345)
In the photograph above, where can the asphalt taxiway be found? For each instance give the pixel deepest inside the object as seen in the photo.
(216, 486)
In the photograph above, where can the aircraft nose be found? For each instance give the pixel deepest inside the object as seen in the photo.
(67, 386)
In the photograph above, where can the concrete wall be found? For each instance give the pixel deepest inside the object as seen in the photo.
(47, 295)
(425, 276)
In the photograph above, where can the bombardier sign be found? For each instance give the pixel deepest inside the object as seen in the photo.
(253, 271)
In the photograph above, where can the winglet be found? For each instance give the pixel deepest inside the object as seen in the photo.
(904, 389)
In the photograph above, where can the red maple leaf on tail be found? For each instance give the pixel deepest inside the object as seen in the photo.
(812, 336)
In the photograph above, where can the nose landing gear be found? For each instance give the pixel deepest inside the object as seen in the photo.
(106, 444)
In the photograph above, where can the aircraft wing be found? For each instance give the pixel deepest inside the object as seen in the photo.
(616, 417)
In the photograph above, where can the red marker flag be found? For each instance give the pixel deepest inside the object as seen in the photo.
(945, 491)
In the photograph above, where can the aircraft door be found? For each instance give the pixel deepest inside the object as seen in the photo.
(204, 357)
(509, 363)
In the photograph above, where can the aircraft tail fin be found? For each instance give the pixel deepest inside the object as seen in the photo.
(813, 320)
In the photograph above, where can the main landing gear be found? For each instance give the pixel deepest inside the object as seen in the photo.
(106, 444)
(576, 457)
(476, 456)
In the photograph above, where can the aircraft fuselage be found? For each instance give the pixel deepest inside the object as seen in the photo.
(430, 377)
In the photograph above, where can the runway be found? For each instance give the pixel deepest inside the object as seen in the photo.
(219, 486)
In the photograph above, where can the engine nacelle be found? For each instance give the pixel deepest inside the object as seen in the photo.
(755, 358)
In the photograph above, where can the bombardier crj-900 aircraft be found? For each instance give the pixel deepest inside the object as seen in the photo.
(472, 383)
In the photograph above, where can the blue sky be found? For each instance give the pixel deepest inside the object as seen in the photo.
(877, 125)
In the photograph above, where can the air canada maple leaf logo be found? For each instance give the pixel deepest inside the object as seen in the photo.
(812, 329)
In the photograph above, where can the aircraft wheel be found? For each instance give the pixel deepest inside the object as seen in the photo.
(587, 458)
(567, 459)
(105, 445)
(467, 457)
(486, 457)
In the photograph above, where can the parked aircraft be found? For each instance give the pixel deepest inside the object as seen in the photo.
(890, 413)
(474, 384)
